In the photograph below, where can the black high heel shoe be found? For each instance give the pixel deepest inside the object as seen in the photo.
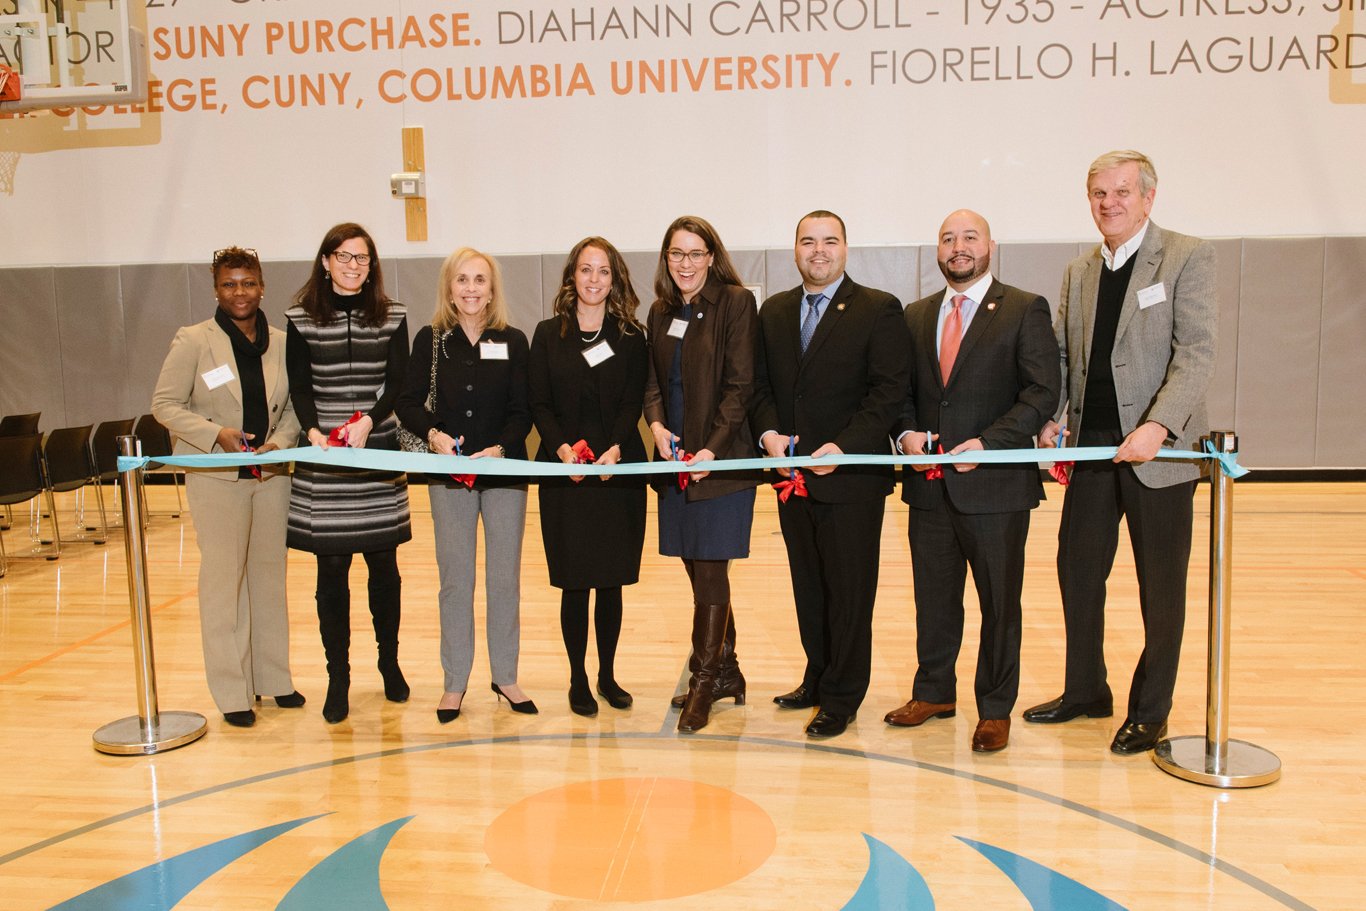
(522, 708)
(446, 716)
(616, 697)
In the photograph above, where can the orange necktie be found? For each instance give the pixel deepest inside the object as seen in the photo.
(951, 337)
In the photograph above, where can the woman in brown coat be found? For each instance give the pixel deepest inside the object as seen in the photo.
(703, 327)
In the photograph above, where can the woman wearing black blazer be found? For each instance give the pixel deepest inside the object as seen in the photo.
(703, 330)
(587, 384)
(479, 410)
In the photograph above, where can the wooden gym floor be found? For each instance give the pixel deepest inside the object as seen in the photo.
(555, 811)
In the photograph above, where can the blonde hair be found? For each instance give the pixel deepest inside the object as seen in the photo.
(1147, 174)
(495, 311)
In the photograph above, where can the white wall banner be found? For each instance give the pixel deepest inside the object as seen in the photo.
(269, 120)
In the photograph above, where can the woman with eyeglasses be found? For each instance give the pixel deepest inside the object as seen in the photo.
(703, 327)
(224, 388)
(348, 354)
(466, 393)
(588, 365)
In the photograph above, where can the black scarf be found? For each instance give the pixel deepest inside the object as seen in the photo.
(248, 354)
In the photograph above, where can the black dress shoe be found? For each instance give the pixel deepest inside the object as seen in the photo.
(1057, 711)
(827, 724)
(581, 701)
(446, 716)
(240, 719)
(803, 697)
(294, 700)
(616, 697)
(1137, 738)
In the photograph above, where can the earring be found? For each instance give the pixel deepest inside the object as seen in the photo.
(327, 273)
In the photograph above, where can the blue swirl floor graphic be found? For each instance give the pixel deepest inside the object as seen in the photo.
(891, 881)
(162, 885)
(346, 878)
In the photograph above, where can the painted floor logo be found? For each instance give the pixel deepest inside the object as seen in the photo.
(349, 878)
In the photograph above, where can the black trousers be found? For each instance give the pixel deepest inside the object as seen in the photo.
(1159, 521)
(944, 543)
(832, 553)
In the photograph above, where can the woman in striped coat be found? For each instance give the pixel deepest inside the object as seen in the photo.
(347, 351)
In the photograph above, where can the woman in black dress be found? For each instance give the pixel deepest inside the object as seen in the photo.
(703, 330)
(587, 382)
(347, 350)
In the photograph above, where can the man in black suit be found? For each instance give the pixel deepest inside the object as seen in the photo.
(984, 375)
(830, 379)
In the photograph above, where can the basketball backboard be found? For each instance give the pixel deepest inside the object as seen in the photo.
(74, 53)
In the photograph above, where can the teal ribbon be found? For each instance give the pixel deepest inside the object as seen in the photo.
(1227, 459)
(431, 463)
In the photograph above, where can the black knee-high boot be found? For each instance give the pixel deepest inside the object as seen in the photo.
(385, 587)
(334, 622)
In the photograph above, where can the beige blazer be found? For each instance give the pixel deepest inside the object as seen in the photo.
(194, 413)
(1163, 356)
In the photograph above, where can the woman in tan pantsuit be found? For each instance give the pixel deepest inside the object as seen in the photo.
(224, 388)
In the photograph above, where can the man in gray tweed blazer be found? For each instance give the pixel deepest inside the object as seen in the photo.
(1136, 328)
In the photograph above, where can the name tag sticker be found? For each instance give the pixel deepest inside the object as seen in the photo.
(218, 376)
(597, 353)
(1153, 294)
(678, 327)
(493, 351)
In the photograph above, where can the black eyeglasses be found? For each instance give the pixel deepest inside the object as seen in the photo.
(694, 256)
(362, 259)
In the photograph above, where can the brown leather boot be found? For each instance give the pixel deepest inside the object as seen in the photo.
(708, 634)
(730, 683)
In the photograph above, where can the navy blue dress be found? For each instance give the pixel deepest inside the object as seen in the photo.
(713, 529)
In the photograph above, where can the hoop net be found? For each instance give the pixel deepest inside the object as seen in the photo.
(9, 161)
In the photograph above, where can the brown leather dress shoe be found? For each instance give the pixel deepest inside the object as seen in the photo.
(992, 734)
(915, 713)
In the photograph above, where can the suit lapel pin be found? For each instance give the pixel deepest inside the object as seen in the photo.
(699, 314)
(991, 306)
(839, 306)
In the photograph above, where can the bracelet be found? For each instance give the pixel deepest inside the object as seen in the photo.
(502, 453)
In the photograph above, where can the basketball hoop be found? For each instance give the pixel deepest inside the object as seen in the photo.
(11, 88)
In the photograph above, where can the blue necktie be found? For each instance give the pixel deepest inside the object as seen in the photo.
(813, 316)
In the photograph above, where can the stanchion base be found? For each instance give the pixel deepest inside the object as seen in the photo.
(1248, 765)
(126, 736)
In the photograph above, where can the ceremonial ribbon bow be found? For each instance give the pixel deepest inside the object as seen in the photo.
(255, 469)
(1062, 471)
(796, 484)
(466, 479)
(337, 436)
(680, 456)
(935, 472)
(583, 455)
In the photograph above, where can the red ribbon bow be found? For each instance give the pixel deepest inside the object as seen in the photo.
(466, 479)
(337, 436)
(935, 472)
(683, 477)
(793, 486)
(1062, 472)
(255, 469)
(583, 455)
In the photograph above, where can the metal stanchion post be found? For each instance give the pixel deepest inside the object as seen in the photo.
(150, 730)
(1214, 759)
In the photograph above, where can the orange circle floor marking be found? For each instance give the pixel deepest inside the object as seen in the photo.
(631, 839)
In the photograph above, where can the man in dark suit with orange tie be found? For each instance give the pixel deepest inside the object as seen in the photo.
(984, 376)
(830, 378)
